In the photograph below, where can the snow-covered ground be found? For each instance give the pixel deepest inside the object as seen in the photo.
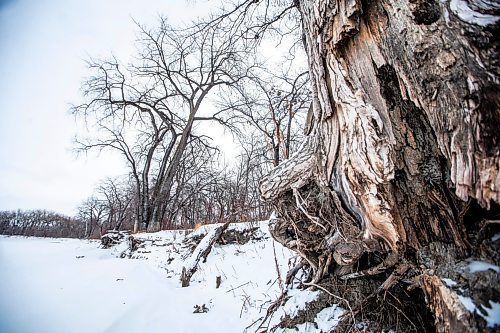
(52, 285)
(70, 286)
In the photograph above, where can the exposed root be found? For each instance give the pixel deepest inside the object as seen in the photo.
(293, 272)
(391, 260)
(299, 201)
(378, 287)
(367, 280)
(317, 229)
(264, 323)
(336, 297)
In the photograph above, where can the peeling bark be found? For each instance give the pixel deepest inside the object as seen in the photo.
(450, 314)
(403, 132)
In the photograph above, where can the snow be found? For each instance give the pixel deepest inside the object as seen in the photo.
(298, 301)
(467, 303)
(479, 266)
(192, 261)
(328, 318)
(325, 321)
(492, 316)
(68, 285)
(467, 14)
(495, 237)
(449, 282)
(44, 287)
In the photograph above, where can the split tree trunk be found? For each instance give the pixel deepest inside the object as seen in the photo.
(404, 132)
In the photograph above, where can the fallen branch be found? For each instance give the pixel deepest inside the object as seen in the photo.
(201, 252)
(241, 285)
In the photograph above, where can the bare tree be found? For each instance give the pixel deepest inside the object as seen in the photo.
(147, 110)
(93, 212)
(117, 199)
(276, 106)
(122, 124)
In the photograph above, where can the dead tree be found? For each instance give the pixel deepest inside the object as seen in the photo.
(401, 161)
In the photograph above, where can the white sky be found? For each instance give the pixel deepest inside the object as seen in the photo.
(42, 48)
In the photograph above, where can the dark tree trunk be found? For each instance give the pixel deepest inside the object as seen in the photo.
(404, 135)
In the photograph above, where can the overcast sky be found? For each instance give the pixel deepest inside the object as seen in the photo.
(42, 47)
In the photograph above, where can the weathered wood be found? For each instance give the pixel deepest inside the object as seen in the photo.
(201, 252)
(403, 131)
(450, 314)
(218, 280)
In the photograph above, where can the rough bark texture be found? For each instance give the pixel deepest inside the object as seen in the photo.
(403, 137)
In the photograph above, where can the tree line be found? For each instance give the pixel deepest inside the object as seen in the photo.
(40, 223)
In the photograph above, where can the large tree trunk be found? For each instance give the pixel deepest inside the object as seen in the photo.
(404, 136)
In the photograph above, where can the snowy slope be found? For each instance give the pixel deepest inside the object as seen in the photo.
(71, 286)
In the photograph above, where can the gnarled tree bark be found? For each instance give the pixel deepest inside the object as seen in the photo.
(403, 136)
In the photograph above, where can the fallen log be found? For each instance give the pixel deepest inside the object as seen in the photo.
(201, 252)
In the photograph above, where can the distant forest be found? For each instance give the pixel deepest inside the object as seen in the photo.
(40, 223)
